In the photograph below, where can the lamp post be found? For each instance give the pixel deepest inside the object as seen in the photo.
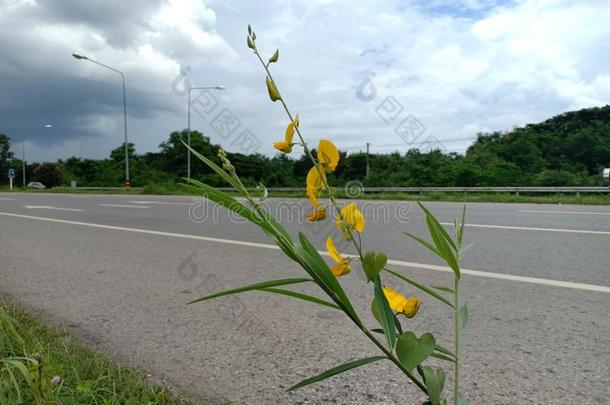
(23, 154)
(188, 152)
(82, 57)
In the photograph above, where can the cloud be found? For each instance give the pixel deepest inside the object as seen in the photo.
(458, 66)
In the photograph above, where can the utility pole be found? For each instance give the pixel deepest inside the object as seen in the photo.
(23, 163)
(366, 176)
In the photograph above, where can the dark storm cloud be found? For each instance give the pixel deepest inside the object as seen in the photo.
(119, 21)
(41, 83)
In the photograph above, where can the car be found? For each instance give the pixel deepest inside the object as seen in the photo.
(36, 185)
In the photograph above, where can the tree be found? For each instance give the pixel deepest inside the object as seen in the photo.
(5, 157)
(47, 173)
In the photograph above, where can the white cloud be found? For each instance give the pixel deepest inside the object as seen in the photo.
(459, 66)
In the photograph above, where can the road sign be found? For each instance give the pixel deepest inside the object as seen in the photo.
(11, 176)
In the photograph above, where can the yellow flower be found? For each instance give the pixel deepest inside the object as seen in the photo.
(342, 267)
(286, 145)
(328, 155)
(401, 304)
(317, 214)
(314, 185)
(350, 219)
(283, 146)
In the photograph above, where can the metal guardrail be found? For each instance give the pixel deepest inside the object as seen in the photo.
(97, 188)
(418, 190)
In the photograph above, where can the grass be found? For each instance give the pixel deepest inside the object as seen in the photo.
(41, 365)
(171, 188)
(585, 199)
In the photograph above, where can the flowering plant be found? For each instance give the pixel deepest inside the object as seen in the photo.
(403, 348)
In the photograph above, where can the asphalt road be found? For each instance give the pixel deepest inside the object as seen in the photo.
(118, 270)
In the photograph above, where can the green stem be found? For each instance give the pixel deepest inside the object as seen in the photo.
(456, 375)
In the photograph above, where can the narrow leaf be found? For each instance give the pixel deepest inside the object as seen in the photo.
(386, 316)
(219, 170)
(302, 296)
(424, 242)
(443, 357)
(421, 287)
(257, 286)
(442, 288)
(441, 244)
(319, 266)
(463, 317)
(337, 370)
(442, 230)
(441, 349)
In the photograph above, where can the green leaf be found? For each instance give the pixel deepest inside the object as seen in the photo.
(412, 351)
(421, 287)
(299, 295)
(424, 243)
(337, 370)
(435, 381)
(275, 56)
(463, 317)
(17, 363)
(442, 230)
(274, 94)
(264, 193)
(460, 229)
(219, 170)
(442, 245)
(443, 288)
(265, 221)
(443, 357)
(441, 349)
(386, 316)
(372, 264)
(320, 269)
(257, 286)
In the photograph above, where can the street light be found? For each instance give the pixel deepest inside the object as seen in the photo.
(82, 57)
(188, 152)
(23, 153)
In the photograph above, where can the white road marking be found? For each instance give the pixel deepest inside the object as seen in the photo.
(159, 203)
(124, 206)
(6, 199)
(477, 273)
(530, 228)
(564, 212)
(49, 207)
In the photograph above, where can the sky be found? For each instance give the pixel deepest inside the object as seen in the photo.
(395, 74)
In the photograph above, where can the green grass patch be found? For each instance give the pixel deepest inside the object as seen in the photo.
(171, 188)
(584, 199)
(41, 365)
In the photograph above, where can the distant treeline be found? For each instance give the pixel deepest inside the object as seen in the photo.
(567, 150)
